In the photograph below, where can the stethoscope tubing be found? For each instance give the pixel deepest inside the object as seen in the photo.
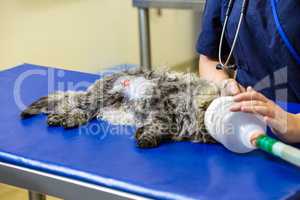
(228, 11)
(282, 33)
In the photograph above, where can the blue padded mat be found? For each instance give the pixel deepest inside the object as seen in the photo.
(106, 155)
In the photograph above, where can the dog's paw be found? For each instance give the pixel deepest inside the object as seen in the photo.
(55, 119)
(147, 141)
(74, 120)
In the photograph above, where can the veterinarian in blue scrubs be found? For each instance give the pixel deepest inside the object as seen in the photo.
(266, 54)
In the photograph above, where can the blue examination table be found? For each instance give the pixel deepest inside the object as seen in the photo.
(101, 161)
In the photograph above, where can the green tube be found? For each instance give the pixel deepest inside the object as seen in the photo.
(277, 148)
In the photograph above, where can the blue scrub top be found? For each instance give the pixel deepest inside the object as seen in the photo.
(264, 62)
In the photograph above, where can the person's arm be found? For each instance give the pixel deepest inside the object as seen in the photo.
(208, 42)
(208, 45)
(285, 125)
(208, 71)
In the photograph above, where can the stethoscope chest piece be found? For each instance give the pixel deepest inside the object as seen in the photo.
(223, 67)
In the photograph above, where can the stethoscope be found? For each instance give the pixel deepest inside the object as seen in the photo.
(225, 65)
(282, 33)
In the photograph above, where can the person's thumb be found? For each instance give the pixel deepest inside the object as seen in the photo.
(229, 87)
(233, 88)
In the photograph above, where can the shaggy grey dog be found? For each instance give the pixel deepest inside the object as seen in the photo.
(166, 106)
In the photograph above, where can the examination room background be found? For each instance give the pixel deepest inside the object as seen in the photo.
(90, 35)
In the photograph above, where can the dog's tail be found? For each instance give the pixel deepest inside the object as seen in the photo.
(36, 108)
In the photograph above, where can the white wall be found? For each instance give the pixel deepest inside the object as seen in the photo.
(86, 35)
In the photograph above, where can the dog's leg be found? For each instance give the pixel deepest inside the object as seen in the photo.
(44, 105)
(152, 134)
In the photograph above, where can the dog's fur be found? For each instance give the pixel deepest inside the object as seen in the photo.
(173, 109)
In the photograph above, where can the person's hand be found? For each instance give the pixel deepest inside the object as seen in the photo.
(229, 87)
(285, 125)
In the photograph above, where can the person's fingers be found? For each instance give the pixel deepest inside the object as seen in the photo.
(249, 96)
(255, 107)
(237, 106)
(276, 125)
(260, 110)
(272, 122)
(252, 103)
